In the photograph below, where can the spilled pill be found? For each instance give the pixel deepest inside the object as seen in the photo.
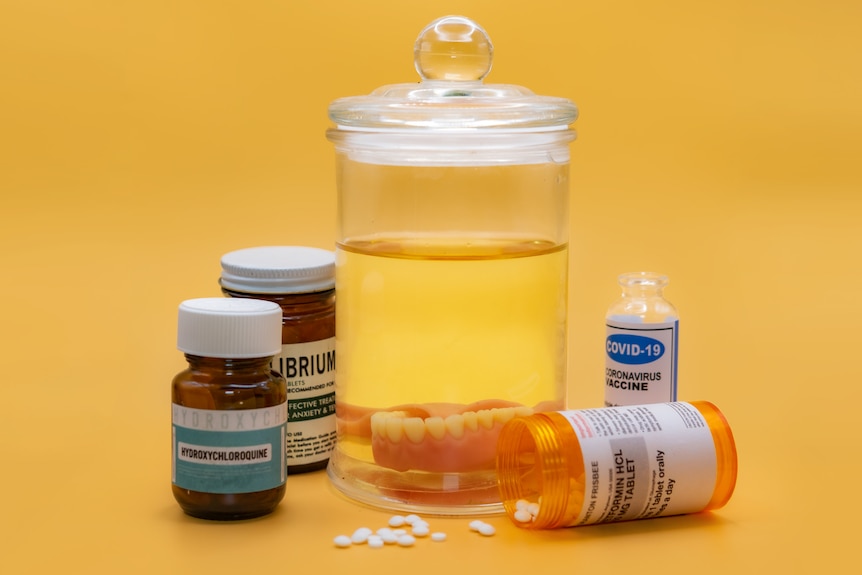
(406, 540)
(482, 527)
(361, 535)
(413, 527)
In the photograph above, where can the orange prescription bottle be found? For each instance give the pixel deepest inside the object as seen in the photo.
(579, 467)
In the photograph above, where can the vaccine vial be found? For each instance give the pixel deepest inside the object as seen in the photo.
(603, 465)
(641, 343)
(301, 280)
(229, 410)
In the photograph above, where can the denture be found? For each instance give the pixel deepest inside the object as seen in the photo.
(433, 437)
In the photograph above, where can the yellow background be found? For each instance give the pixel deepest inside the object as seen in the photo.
(719, 143)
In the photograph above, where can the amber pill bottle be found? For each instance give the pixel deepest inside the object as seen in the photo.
(229, 410)
(301, 280)
(570, 468)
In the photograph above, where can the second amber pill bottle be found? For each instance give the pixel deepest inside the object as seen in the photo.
(302, 281)
(569, 468)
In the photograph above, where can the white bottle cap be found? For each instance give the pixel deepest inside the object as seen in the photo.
(278, 270)
(230, 328)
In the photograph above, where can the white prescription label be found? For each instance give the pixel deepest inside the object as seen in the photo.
(644, 461)
(309, 369)
(641, 362)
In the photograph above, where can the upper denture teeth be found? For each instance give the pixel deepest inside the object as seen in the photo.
(471, 420)
(436, 427)
(378, 425)
(486, 418)
(414, 429)
(393, 425)
(455, 426)
(394, 429)
(503, 415)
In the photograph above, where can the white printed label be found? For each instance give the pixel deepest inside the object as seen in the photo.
(641, 362)
(644, 461)
(309, 369)
(224, 455)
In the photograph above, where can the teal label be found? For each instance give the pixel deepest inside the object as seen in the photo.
(229, 451)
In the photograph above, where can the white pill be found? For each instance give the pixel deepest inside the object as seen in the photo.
(438, 536)
(487, 530)
(383, 531)
(533, 508)
(342, 541)
(421, 530)
(521, 504)
(476, 524)
(397, 521)
(389, 538)
(412, 518)
(406, 540)
(523, 516)
(375, 541)
(361, 535)
(399, 532)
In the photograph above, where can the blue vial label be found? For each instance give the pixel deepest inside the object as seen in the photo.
(633, 349)
(641, 362)
(229, 451)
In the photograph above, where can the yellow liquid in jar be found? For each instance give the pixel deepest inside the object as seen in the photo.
(454, 321)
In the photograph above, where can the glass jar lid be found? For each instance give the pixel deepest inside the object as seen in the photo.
(452, 55)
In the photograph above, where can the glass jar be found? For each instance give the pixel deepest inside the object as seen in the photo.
(451, 273)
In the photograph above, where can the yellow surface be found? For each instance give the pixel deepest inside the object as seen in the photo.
(719, 143)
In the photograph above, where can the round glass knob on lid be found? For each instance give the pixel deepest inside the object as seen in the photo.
(453, 48)
(452, 55)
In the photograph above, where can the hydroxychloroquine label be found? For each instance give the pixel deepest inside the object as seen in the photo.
(641, 362)
(229, 451)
